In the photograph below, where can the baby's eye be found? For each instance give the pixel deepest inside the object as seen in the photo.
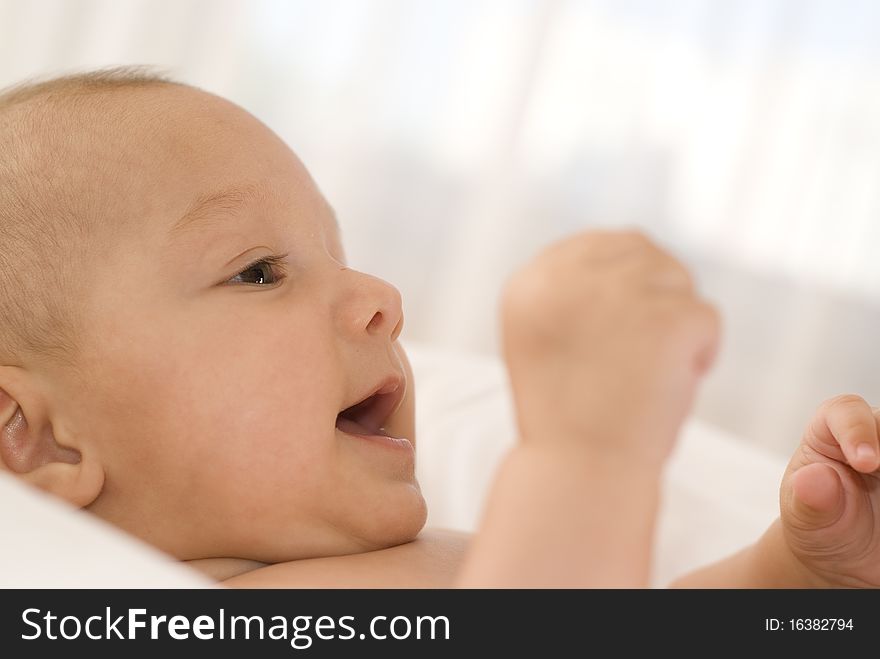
(265, 272)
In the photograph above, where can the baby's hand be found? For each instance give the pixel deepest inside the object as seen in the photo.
(605, 341)
(830, 495)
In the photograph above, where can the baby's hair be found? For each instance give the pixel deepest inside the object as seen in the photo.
(82, 83)
(47, 216)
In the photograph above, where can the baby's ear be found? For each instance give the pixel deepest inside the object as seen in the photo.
(29, 449)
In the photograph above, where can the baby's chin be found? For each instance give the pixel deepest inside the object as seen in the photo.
(393, 527)
(397, 523)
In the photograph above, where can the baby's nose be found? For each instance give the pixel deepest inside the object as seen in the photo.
(375, 307)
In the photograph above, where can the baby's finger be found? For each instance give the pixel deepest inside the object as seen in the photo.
(849, 422)
(817, 496)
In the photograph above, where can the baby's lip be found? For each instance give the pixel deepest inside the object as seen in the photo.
(373, 410)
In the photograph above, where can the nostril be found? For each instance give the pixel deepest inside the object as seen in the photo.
(386, 322)
(375, 323)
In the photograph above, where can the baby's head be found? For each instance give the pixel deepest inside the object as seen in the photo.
(180, 330)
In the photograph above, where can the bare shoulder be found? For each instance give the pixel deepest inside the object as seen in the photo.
(429, 561)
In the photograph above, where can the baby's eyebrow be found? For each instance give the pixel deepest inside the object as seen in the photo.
(225, 204)
(221, 205)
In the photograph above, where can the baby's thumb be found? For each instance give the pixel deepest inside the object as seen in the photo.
(817, 496)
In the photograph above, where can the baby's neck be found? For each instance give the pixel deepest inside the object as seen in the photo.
(220, 569)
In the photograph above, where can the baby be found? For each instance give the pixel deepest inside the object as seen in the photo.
(185, 353)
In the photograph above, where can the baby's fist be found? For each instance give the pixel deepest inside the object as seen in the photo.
(605, 340)
(830, 495)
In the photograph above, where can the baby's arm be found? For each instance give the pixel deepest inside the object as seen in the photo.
(828, 532)
(558, 518)
(604, 341)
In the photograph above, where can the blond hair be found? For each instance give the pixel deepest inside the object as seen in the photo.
(44, 223)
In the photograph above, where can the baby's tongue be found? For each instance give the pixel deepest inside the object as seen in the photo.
(352, 427)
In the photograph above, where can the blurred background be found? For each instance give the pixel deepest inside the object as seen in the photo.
(455, 138)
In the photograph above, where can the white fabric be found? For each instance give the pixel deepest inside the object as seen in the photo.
(48, 544)
(720, 494)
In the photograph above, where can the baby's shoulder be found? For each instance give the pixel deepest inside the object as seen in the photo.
(429, 561)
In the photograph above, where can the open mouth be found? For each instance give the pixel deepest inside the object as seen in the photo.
(368, 417)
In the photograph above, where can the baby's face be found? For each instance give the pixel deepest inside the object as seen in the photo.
(222, 349)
